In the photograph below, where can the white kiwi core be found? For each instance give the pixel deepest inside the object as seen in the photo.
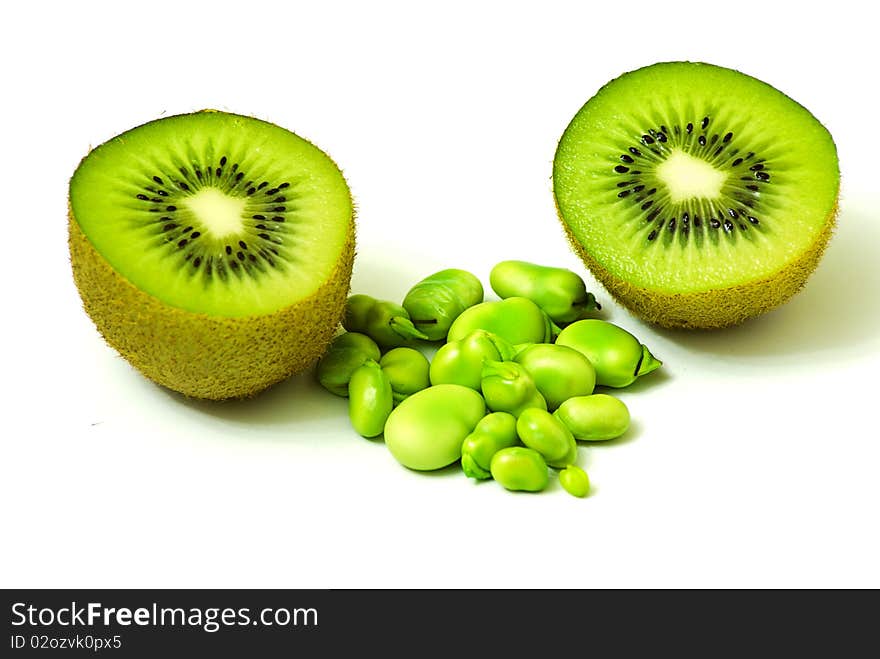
(220, 214)
(687, 177)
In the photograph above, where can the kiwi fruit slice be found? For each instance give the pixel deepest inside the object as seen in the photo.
(213, 251)
(697, 195)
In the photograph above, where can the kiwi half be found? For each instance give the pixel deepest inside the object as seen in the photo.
(213, 251)
(699, 196)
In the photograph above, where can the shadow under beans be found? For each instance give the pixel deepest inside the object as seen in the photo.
(652, 381)
(835, 316)
(449, 471)
(632, 433)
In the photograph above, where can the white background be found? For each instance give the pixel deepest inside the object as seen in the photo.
(753, 458)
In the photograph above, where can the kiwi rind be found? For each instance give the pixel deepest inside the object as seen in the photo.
(724, 304)
(202, 356)
(713, 309)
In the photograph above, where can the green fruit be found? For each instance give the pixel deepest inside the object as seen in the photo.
(699, 196)
(193, 261)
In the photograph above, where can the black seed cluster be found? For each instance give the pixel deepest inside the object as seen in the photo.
(268, 207)
(737, 208)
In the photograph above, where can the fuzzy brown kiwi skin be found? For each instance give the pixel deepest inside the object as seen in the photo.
(204, 356)
(714, 309)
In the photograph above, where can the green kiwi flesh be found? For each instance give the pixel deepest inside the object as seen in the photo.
(698, 195)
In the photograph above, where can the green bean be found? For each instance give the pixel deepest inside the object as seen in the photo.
(407, 371)
(439, 299)
(617, 356)
(516, 320)
(461, 362)
(575, 481)
(561, 293)
(346, 353)
(570, 457)
(559, 372)
(369, 399)
(594, 418)
(388, 324)
(520, 469)
(494, 432)
(427, 429)
(508, 387)
(540, 430)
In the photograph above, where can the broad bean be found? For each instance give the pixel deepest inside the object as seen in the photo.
(540, 430)
(369, 399)
(575, 481)
(516, 320)
(617, 356)
(594, 418)
(388, 324)
(461, 362)
(407, 371)
(346, 353)
(508, 387)
(427, 429)
(439, 299)
(494, 432)
(559, 372)
(520, 469)
(570, 457)
(561, 293)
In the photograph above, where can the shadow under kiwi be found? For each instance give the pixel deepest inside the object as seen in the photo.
(381, 276)
(298, 399)
(834, 317)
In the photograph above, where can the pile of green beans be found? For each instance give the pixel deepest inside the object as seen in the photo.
(511, 388)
